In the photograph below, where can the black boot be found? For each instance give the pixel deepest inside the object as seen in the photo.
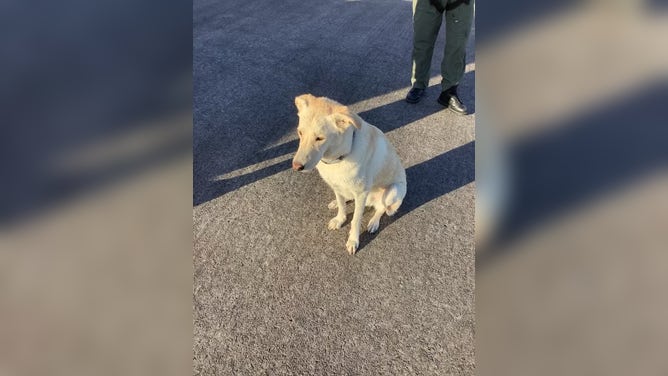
(414, 95)
(449, 99)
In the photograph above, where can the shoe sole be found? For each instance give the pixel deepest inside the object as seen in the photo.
(413, 101)
(457, 112)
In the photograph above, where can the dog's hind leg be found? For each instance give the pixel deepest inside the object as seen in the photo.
(393, 197)
(375, 199)
(374, 222)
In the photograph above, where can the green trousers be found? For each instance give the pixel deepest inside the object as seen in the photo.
(426, 24)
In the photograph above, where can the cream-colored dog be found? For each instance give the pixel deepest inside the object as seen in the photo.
(353, 157)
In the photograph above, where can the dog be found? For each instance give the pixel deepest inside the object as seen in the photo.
(353, 157)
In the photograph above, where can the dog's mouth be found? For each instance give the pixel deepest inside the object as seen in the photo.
(309, 166)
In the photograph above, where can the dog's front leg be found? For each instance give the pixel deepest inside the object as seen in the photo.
(356, 223)
(336, 222)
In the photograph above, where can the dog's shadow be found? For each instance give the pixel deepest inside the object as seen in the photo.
(427, 181)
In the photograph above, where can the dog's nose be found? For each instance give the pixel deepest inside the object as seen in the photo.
(297, 166)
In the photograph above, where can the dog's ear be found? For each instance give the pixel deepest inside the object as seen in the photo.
(343, 118)
(302, 101)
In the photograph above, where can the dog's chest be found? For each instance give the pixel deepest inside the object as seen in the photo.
(342, 177)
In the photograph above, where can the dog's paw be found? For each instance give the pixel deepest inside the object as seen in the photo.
(373, 226)
(336, 223)
(392, 209)
(351, 246)
(332, 205)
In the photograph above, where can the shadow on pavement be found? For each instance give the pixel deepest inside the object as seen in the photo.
(220, 187)
(217, 188)
(430, 180)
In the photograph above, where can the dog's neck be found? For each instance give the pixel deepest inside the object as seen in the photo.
(342, 156)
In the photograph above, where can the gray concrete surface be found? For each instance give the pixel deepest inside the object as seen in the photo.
(274, 290)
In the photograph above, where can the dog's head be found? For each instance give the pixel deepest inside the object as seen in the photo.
(322, 124)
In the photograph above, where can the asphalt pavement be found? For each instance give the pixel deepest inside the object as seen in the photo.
(275, 291)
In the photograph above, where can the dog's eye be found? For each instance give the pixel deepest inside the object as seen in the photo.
(319, 138)
(299, 133)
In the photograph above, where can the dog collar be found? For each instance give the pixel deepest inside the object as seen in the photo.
(339, 159)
